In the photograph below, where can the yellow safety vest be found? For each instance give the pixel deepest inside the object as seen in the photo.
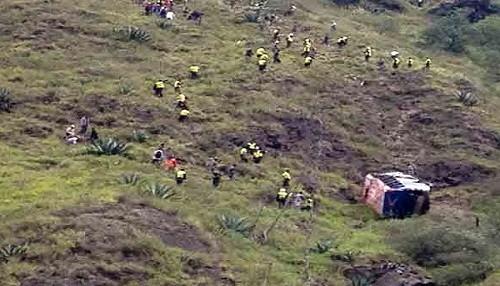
(159, 84)
(258, 154)
(243, 151)
(282, 194)
(181, 97)
(260, 51)
(184, 112)
(180, 174)
(308, 60)
(286, 175)
(194, 69)
(177, 84)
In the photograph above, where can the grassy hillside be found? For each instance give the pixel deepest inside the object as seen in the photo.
(330, 124)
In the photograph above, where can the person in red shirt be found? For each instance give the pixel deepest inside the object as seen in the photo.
(171, 163)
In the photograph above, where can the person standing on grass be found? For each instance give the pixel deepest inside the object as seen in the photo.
(180, 176)
(216, 177)
(84, 125)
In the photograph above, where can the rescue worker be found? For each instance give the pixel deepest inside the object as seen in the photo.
(216, 176)
(333, 26)
(257, 156)
(71, 131)
(368, 53)
(177, 86)
(276, 46)
(263, 62)
(428, 63)
(158, 88)
(308, 61)
(308, 204)
(410, 62)
(252, 146)
(286, 178)
(180, 176)
(289, 40)
(181, 101)
(260, 52)
(183, 114)
(342, 41)
(194, 71)
(306, 51)
(396, 62)
(171, 163)
(394, 54)
(281, 197)
(243, 154)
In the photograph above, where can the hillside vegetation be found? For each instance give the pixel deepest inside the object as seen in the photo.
(68, 217)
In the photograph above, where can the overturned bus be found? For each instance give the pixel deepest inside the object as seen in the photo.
(396, 195)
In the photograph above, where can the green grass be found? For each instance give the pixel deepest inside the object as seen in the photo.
(79, 68)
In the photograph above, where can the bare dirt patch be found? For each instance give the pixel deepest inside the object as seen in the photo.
(109, 252)
(448, 174)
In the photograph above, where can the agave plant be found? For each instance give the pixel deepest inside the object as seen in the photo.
(131, 179)
(5, 100)
(132, 33)
(323, 246)
(139, 136)
(235, 224)
(108, 147)
(125, 88)
(11, 250)
(360, 280)
(466, 98)
(159, 190)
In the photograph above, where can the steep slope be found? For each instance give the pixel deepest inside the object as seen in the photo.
(330, 124)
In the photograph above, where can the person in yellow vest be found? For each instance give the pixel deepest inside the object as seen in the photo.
(286, 178)
(257, 156)
(396, 62)
(307, 42)
(428, 63)
(260, 52)
(289, 40)
(252, 146)
(281, 197)
(194, 71)
(368, 53)
(177, 86)
(181, 101)
(308, 61)
(180, 176)
(263, 62)
(342, 41)
(410, 62)
(158, 88)
(306, 51)
(184, 114)
(243, 154)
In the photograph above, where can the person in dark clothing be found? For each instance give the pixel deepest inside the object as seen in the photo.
(216, 177)
(84, 125)
(231, 172)
(93, 135)
(276, 57)
(249, 53)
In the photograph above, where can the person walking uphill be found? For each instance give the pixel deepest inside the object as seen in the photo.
(158, 88)
(180, 176)
(194, 71)
(286, 178)
(216, 177)
(177, 86)
(281, 197)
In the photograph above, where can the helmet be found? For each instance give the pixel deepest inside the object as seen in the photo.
(72, 126)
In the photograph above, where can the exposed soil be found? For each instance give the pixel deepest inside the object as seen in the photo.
(386, 273)
(107, 254)
(449, 174)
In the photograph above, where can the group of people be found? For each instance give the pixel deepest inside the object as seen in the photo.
(251, 151)
(296, 199)
(181, 101)
(73, 137)
(165, 9)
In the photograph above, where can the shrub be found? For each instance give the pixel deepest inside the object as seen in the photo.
(235, 224)
(125, 88)
(5, 100)
(457, 274)
(159, 190)
(11, 250)
(165, 25)
(252, 17)
(132, 33)
(139, 136)
(466, 98)
(323, 246)
(131, 179)
(108, 147)
(360, 280)
(447, 33)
